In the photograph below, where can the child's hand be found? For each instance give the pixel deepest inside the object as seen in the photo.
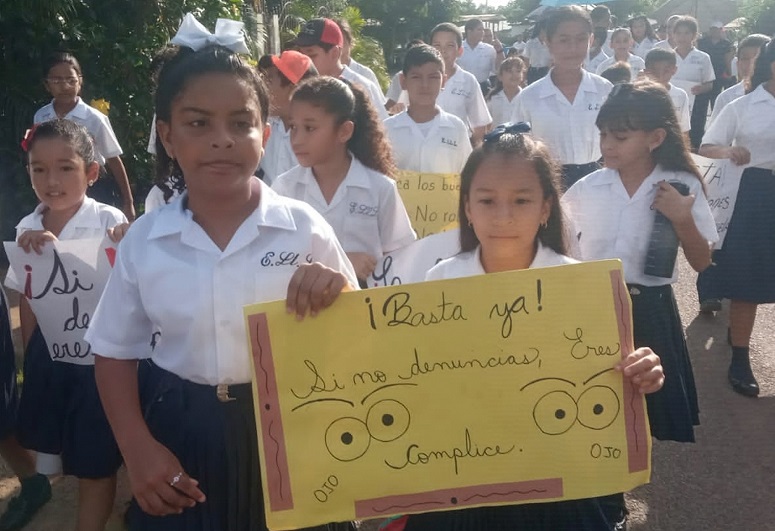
(363, 263)
(117, 233)
(644, 369)
(674, 206)
(739, 155)
(313, 287)
(158, 481)
(35, 240)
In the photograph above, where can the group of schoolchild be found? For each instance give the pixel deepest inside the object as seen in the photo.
(179, 414)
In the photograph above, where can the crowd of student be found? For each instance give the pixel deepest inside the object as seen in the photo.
(557, 164)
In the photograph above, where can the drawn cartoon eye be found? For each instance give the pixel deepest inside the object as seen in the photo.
(555, 413)
(387, 420)
(347, 439)
(598, 407)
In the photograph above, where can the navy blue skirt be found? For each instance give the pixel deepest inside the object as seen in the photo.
(744, 267)
(216, 443)
(60, 412)
(673, 410)
(9, 397)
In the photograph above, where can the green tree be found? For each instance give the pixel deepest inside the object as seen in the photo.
(759, 16)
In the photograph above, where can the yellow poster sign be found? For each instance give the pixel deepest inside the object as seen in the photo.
(431, 200)
(489, 390)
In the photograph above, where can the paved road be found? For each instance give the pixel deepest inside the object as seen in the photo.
(724, 482)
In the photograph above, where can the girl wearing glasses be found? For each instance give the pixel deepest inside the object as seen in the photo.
(64, 81)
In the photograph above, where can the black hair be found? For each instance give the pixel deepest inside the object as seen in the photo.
(451, 28)
(647, 106)
(61, 57)
(756, 40)
(688, 22)
(539, 26)
(618, 72)
(178, 66)
(534, 151)
(599, 13)
(472, 24)
(508, 64)
(265, 63)
(649, 29)
(660, 55)
(74, 134)
(566, 14)
(421, 54)
(762, 70)
(345, 101)
(413, 43)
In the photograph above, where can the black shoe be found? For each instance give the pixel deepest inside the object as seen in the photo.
(708, 306)
(36, 491)
(743, 382)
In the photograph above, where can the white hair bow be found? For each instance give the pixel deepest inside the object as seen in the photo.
(194, 35)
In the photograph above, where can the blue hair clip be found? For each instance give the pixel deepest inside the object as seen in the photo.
(507, 129)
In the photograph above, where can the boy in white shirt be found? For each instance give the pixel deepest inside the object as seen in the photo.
(661, 67)
(397, 100)
(347, 47)
(462, 95)
(596, 53)
(424, 137)
(479, 58)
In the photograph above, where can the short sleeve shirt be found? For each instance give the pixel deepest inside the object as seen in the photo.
(278, 155)
(374, 92)
(681, 104)
(480, 60)
(501, 108)
(463, 97)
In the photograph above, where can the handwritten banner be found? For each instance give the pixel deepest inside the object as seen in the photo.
(409, 264)
(431, 200)
(722, 181)
(489, 390)
(63, 286)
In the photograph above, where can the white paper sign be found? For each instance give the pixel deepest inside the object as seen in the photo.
(63, 286)
(409, 265)
(722, 181)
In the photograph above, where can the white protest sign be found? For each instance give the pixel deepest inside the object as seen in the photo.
(63, 286)
(409, 264)
(722, 181)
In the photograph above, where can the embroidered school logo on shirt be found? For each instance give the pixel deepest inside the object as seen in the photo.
(593, 107)
(449, 141)
(363, 210)
(461, 92)
(284, 258)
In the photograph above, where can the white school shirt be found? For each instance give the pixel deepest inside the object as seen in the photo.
(443, 149)
(537, 53)
(591, 64)
(374, 92)
(664, 44)
(395, 92)
(727, 97)
(694, 69)
(480, 60)
(637, 65)
(642, 48)
(278, 154)
(609, 223)
(169, 276)
(748, 122)
(463, 97)
(105, 142)
(501, 108)
(469, 264)
(366, 212)
(681, 104)
(567, 128)
(365, 71)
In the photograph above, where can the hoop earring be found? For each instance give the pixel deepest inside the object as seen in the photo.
(544, 225)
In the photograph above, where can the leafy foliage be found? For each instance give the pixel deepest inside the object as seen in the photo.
(759, 15)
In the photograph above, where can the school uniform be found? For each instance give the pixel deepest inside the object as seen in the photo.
(610, 224)
(366, 212)
(727, 97)
(479, 60)
(501, 108)
(681, 104)
(170, 276)
(540, 59)
(440, 145)
(575, 515)
(60, 411)
(665, 44)
(591, 63)
(278, 154)
(637, 65)
(365, 71)
(642, 48)
(372, 90)
(568, 128)
(462, 97)
(743, 267)
(694, 69)
(9, 399)
(395, 92)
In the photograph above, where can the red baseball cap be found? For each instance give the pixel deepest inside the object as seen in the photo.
(292, 64)
(320, 31)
